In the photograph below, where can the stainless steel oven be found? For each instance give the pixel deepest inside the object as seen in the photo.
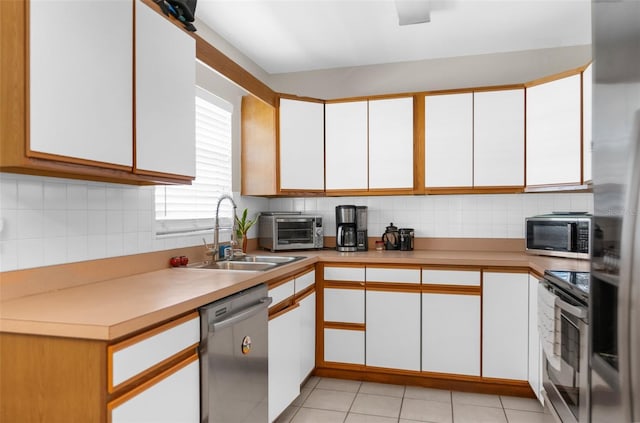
(566, 377)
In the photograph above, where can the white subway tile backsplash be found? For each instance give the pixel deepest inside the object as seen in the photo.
(8, 255)
(30, 224)
(96, 197)
(55, 196)
(8, 193)
(30, 253)
(115, 244)
(77, 222)
(55, 250)
(114, 198)
(54, 223)
(77, 248)
(30, 194)
(115, 221)
(77, 197)
(130, 221)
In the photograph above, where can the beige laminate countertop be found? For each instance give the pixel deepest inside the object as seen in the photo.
(112, 309)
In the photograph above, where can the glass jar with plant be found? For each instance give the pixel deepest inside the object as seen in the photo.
(242, 227)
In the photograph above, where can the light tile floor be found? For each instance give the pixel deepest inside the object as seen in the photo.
(324, 400)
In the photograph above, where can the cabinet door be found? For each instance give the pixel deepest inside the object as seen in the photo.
(535, 348)
(301, 145)
(391, 143)
(307, 336)
(393, 330)
(165, 96)
(505, 323)
(498, 138)
(449, 140)
(587, 107)
(451, 333)
(344, 346)
(553, 132)
(80, 80)
(346, 145)
(284, 361)
(344, 305)
(173, 396)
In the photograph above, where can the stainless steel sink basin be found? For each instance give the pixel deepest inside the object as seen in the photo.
(266, 259)
(247, 263)
(235, 265)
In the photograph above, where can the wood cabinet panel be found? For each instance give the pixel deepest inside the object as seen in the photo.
(391, 143)
(587, 118)
(498, 138)
(301, 141)
(449, 140)
(258, 152)
(346, 145)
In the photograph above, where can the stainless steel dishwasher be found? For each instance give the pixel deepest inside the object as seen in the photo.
(234, 358)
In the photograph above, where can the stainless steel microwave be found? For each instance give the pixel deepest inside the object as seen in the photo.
(559, 235)
(278, 231)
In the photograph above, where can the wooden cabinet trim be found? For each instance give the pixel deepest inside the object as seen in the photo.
(305, 271)
(74, 160)
(280, 281)
(556, 76)
(341, 264)
(344, 285)
(112, 349)
(450, 267)
(305, 293)
(300, 98)
(394, 266)
(291, 306)
(345, 326)
(149, 383)
(452, 289)
(393, 287)
(497, 269)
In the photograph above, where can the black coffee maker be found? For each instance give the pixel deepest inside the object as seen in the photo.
(346, 229)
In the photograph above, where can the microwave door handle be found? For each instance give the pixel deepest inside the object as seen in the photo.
(579, 312)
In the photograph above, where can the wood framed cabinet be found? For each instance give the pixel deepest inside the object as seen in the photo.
(587, 115)
(343, 316)
(301, 145)
(535, 347)
(346, 144)
(498, 138)
(451, 321)
(505, 325)
(152, 376)
(72, 98)
(391, 144)
(448, 123)
(165, 70)
(393, 317)
(554, 132)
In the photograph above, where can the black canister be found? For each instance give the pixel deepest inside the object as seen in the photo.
(406, 239)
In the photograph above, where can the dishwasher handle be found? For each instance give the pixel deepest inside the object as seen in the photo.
(242, 315)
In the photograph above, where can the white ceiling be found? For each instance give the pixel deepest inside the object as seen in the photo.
(299, 35)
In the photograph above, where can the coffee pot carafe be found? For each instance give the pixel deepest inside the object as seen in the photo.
(391, 237)
(346, 238)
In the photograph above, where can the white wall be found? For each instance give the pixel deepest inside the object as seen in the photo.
(444, 216)
(48, 221)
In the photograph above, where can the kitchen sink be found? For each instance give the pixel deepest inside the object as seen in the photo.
(247, 263)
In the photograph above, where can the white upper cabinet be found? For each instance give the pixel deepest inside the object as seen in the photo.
(80, 82)
(346, 142)
(449, 140)
(165, 95)
(391, 143)
(498, 138)
(553, 132)
(301, 145)
(587, 107)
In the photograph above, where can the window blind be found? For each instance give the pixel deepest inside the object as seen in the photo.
(191, 208)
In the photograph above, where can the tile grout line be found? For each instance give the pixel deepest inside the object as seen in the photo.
(503, 410)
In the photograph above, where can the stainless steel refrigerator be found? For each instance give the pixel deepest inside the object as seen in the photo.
(615, 269)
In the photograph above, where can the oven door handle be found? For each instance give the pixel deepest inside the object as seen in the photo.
(576, 311)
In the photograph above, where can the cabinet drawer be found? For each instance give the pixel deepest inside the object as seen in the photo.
(351, 274)
(134, 356)
(451, 277)
(305, 281)
(394, 275)
(282, 292)
(344, 305)
(344, 346)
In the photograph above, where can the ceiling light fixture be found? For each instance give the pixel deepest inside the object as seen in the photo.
(412, 12)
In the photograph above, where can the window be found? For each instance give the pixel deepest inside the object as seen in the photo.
(191, 208)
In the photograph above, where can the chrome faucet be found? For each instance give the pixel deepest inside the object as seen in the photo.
(216, 232)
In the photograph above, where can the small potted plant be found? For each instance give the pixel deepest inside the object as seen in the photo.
(242, 227)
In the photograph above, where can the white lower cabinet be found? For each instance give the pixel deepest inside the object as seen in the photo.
(451, 333)
(344, 346)
(505, 325)
(173, 396)
(535, 348)
(307, 335)
(284, 360)
(393, 330)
